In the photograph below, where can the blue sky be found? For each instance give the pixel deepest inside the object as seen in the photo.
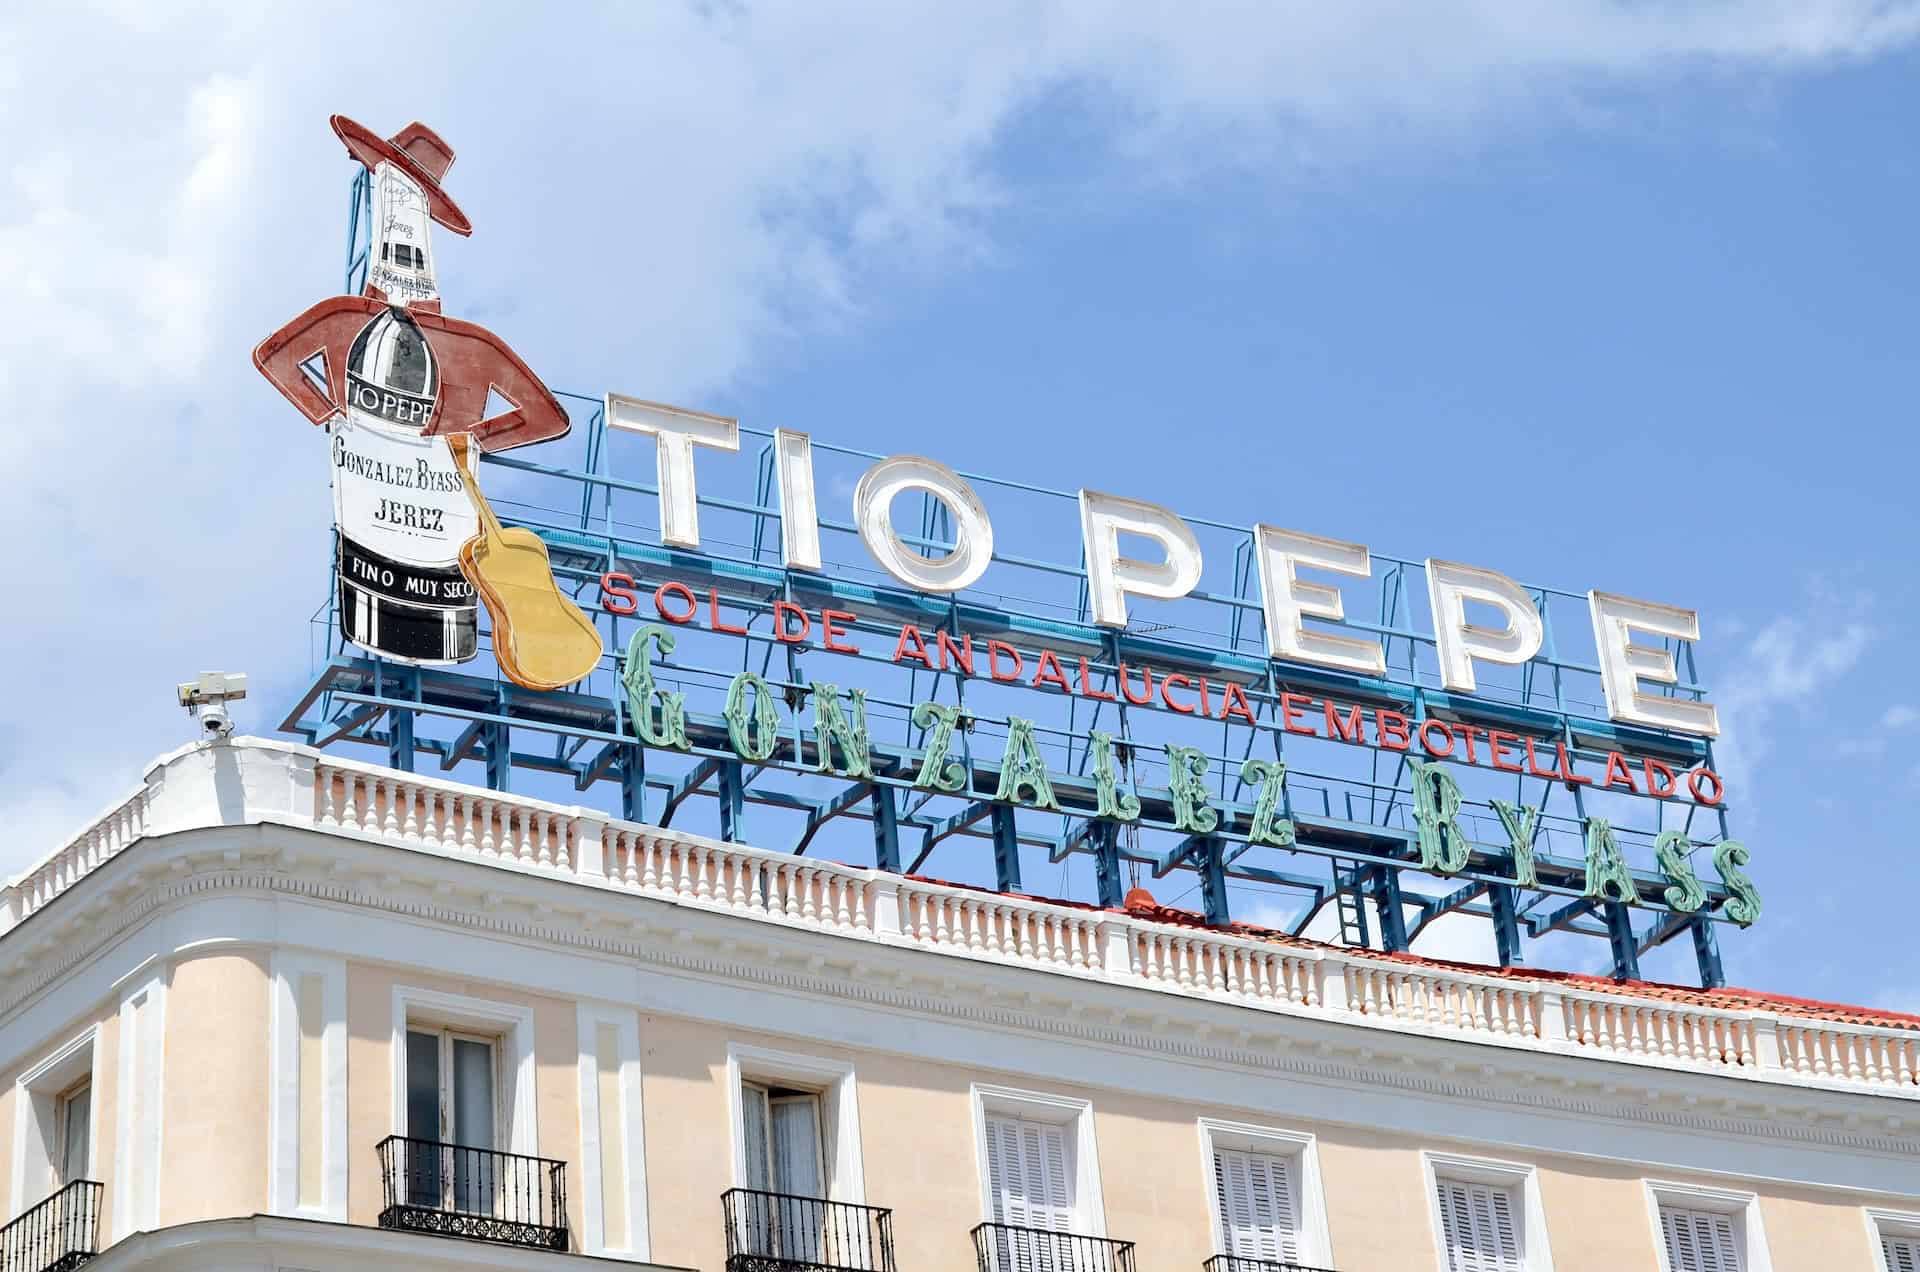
(1621, 296)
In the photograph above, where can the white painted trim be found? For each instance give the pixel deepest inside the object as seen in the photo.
(1754, 1256)
(33, 1093)
(1316, 1245)
(1891, 1223)
(637, 1242)
(511, 1022)
(283, 1110)
(137, 1154)
(1089, 1205)
(846, 1170)
(1523, 1179)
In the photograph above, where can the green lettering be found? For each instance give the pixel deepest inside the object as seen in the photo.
(1436, 813)
(833, 731)
(1520, 823)
(659, 717)
(1268, 826)
(1187, 786)
(1608, 878)
(1744, 906)
(1671, 849)
(752, 730)
(937, 772)
(1023, 770)
(1109, 799)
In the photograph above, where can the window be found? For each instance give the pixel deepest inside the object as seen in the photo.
(1707, 1229)
(1028, 1174)
(76, 1135)
(1258, 1196)
(451, 1088)
(1699, 1240)
(1897, 1236)
(1901, 1254)
(1487, 1215)
(1477, 1227)
(783, 1141)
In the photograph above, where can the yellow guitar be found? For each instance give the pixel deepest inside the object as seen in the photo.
(540, 638)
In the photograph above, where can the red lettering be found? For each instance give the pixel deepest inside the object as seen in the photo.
(616, 593)
(1567, 774)
(782, 629)
(1693, 786)
(1343, 726)
(1497, 741)
(1469, 730)
(1292, 705)
(1617, 774)
(1166, 693)
(680, 590)
(1087, 691)
(1391, 730)
(962, 654)
(1146, 687)
(1660, 779)
(1206, 704)
(1426, 737)
(1233, 702)
(1533, 763)
(829, 629)
(910, 635)
(713, 615)
(1053, 677)
(994, 650)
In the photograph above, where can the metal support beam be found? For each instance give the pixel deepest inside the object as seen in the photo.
(1706, 950)
(1213, 882)
(400, 740)
(1506, 925)
(1104, 835)
(733, 802)
(499, 746)
(886, 828)
(1388, 909)
(1626, 954)
(1006, 849)
(633, 784)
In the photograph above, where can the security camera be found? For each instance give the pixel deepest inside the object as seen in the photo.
(206, 700)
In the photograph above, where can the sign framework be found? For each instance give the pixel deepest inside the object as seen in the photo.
(1344, 818)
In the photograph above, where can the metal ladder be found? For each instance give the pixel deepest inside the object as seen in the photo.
(1349, 881)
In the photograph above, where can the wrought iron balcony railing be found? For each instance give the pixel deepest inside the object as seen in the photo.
(455, 1191)
(775, 1232)
(1246, 1263)
(1005, 1247)
(61, 1232)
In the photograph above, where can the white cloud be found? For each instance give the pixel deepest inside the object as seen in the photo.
(665, 198)
(1899, 716)
(1787, 664)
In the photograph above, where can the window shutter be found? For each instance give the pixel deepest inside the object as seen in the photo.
(1259, 1211)
(1028, 1175)
(1699, 1240)
(1902, 1253)
(795, 1122)
(755, 1134)
(1477, 1222)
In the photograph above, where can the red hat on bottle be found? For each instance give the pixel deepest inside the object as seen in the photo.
(417, 151)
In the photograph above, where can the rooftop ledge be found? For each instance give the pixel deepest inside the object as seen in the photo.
(1732, 1033)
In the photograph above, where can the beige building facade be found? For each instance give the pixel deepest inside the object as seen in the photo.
(277, 1010)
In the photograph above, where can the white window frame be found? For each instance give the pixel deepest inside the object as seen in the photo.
(1315, 1245)
(1536, 1253)
(839, 1111)
(637, 1242)
(283, 1116)
(1903, 1224)
(1089, 1208)
(509, 1023)
(1745, 1206)
(38, 1098)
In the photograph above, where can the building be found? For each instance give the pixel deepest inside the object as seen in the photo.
(276, 1010)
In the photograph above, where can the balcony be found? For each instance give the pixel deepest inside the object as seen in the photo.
(774, 1232)
(1005, 1247)
(61, 1232)
(451, 1190)
(1246, 1263)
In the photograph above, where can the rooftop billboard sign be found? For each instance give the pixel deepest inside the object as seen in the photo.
(1468, 752)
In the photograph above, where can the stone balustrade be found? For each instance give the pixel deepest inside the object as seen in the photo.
(284, 783)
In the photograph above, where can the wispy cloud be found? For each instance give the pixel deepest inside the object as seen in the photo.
(1784, 667)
